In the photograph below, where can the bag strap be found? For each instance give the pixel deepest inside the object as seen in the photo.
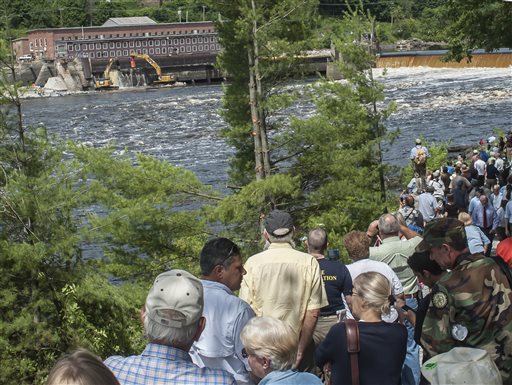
(353, 348)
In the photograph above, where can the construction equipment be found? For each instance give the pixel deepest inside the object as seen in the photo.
(161, 78)
(105, 83)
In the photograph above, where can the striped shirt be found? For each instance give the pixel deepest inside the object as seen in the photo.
(164, 365)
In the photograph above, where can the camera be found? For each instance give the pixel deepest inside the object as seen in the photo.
(333, 254)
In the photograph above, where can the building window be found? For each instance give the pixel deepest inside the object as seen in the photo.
(164, 50)
(151, 51)
(151, 43)
(217, 46)
(92, 55)
(45, 42)
(188, 49)
(112, 45)
(70, 47)
(131, 43)
(105, 45)
(212, 47)
(200, 40)
(105, 53)
(118, 53)
(84, 47)
(98, 45)
(125, 44)
(206, 47)
(157, 42)
(175, 41)
(118, 44)
(200, 47)
(112, 53)
(138, 43)
(194, 48)
(144, 43)
(77, 47)
(157, 51)
(182, 49)
(91, 46)
(188, 40)
(194, 41)
(125, 52)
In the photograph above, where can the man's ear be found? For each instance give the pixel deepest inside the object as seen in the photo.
(200, 327)
(142, 314)
(218, 270)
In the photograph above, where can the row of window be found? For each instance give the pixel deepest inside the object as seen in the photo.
(135, 34)
(151, 51)
(138, 43)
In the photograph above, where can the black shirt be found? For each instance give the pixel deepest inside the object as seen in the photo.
(382, 353)
(337, 280)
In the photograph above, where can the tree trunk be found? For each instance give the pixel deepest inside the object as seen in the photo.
(256, 133)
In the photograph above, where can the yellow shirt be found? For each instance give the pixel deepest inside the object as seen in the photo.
(283, 283)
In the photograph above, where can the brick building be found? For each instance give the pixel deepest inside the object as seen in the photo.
(118, 37)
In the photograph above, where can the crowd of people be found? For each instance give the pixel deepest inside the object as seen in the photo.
(420, 284)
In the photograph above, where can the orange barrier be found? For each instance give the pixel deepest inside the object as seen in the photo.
(496, 60)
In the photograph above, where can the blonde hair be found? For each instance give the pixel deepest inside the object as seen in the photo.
(81, 368)
(465, 218)
(375, 290)
(273, 339)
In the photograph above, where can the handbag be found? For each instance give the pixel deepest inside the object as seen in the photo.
(353, 348)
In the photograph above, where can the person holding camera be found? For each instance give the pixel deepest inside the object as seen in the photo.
(337, 281)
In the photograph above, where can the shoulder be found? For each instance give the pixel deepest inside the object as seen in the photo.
(216, 376)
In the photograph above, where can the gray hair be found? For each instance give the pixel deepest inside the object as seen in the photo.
(166, 335)
(317, 240)
(288, 238)
(388, 224)
(273, 339)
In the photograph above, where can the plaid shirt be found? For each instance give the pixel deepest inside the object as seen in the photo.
(160, 364)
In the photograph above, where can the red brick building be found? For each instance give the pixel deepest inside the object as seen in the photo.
(118, 37)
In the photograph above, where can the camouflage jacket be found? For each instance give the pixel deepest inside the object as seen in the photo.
(472, 306)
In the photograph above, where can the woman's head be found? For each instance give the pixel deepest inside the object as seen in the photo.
(373, 292)
(465, 218)
(81, 368)
(270, 344)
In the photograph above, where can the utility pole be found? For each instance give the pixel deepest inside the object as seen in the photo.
(204, 9)
(179, 14)
(91, 5)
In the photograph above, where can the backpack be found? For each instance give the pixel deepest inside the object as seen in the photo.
(421, 156)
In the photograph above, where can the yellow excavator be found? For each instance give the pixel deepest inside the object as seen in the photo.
(105, 83)
(161, 78)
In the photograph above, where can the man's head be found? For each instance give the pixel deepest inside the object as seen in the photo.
(174, 309)
(388, 226)
(220, 261)
(445, 239)
(484, 200)
(496, 189)
(279, 226)
(357, 244)
(425, 269)
(317, 241)
(418, 141)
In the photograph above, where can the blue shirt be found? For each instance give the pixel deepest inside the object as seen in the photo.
(476, 239)
(477, 216)
(290, 377)
(163, 365)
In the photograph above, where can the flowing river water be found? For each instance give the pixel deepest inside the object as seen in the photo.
(182, 125)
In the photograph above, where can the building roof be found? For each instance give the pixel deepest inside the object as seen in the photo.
(125, 21)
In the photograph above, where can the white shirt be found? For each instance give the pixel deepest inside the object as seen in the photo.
(366, 265)
(219, 345)
(480, 166)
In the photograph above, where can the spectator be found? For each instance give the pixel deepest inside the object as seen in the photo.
(477, 240)
(382, 345)
(271, 347)
(81, 368)
(357, 244)
(286, 284)
(471, 303)
(172, 322)
(219, 345)
(484, 216)
(337, 282)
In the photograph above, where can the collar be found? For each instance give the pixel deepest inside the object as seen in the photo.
(166, 352)
(280, 245)
(393, 238)
(214, 285)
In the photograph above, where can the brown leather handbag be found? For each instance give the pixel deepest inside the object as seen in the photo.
(353, 348)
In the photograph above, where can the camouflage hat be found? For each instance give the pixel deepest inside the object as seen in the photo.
(440, 231)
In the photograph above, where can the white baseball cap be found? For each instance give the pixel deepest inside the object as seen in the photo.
(175, 299)
(462, 366)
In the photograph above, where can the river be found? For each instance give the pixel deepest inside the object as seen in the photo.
(182, 125)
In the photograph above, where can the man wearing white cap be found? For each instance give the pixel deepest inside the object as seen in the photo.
(286, 284)
(172, 322)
